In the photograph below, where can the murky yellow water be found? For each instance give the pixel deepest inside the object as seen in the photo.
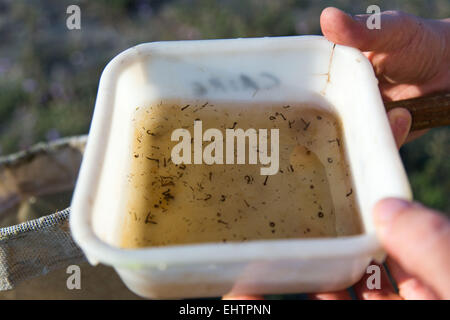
(310, 196)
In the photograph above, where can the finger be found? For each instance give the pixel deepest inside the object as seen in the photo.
(255, 297)
(409, 287)
(338, 295)
(385, 291)
(400, 121)
(418, 239)
(397, 29)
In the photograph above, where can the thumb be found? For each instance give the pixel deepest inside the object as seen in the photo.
(418, 239)
(397, 29)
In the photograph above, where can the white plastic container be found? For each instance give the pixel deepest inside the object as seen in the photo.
(303, 69)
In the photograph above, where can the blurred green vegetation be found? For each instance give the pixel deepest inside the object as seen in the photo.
(49, 74)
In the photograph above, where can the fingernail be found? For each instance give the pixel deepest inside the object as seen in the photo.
(387, 210)
(402, 123)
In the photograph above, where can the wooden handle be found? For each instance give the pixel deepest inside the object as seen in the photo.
(427, 112)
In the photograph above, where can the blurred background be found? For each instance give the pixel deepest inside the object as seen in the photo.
(49, 74)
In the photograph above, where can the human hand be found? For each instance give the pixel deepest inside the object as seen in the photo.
(410, 55)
